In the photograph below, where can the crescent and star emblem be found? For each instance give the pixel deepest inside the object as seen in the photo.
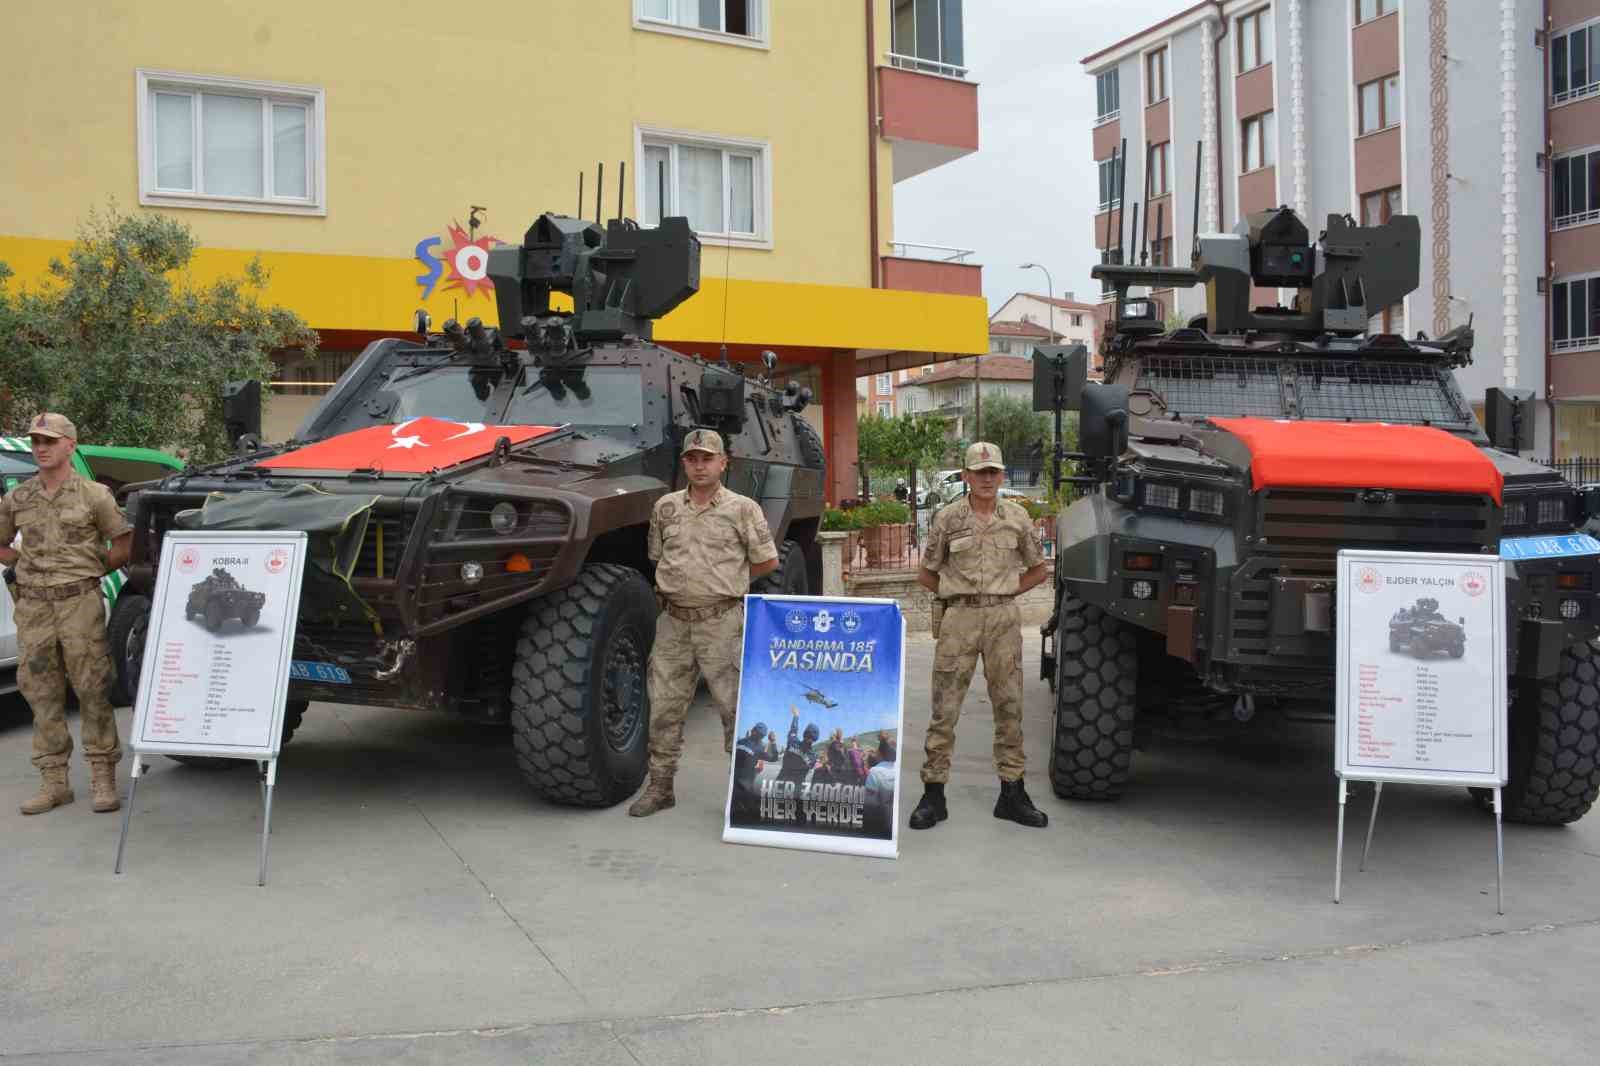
(412, 440)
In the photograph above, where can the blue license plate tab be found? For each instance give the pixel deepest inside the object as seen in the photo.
(327, 673)
(1564, 544)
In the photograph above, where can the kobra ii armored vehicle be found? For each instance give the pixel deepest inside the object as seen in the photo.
(1421, 631)
(220, 597)
(1224, 463)
(478, 511)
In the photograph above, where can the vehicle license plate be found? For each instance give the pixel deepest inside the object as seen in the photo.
(1548, 547)
(301, 670)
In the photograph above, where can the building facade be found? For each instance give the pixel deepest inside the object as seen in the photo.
(1451, 112)
(1072, 320)
(950, 390)
(779, 129)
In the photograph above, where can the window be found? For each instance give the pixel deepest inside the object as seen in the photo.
(885, 383)
(229, 145)
(1160, 182)
(1255, 40)
(1575, 188)
(926, 35)
(1575, 314)
(1155, 76)
(1379, 207)
(734, 18)
(1110, 182)
(1573, 56)
(1391, 319)
(1106, 288)
(1367, 10)
(997, 345)
(885, 409)
(1077, 320)
(1258, 143)
(720, 185)
(1379, 104)
(1105, 96)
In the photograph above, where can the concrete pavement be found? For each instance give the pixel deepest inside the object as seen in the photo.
(422, 907)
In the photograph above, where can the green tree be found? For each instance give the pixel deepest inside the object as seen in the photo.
(908, 442)
(127, 344)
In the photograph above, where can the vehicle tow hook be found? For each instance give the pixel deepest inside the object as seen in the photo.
(402, 652)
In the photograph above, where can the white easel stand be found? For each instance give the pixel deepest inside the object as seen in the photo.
(1372, 822)
(267, 771)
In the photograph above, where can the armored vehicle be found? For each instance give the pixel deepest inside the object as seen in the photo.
(1225, 461)
(1421, 631)
(220, 597)
(478, 508)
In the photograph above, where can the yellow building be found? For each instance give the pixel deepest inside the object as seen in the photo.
(348, 143)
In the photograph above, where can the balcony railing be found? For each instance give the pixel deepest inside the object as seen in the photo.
(1575, 344)
(926, 66)
(1576, 94)
(933, 253)
(1578, 219)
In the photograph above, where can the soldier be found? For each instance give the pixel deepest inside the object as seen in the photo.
(708, 543)
(65, 522)
(976, 550)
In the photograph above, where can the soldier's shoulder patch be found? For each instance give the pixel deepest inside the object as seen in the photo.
(667, 508)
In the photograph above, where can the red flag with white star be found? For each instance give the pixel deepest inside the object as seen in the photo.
(412, 447)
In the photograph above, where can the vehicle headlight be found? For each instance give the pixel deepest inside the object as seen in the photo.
(1206, 501)
(1571, 609)
(1552, 509)
(1158, 495)
(472, 572)
(1516, 513)
(503, 517)
(1143, 590)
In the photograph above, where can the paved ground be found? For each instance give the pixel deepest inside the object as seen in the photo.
(423, 909)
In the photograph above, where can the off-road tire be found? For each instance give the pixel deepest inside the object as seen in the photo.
(125, 633)
(1097, 663)
(789, 579)
(812, 453)
(216, 616)
(294, 713)
(1457, 650)
(1394, 644)
(582, 649)
(1554, 743)
(250, 617)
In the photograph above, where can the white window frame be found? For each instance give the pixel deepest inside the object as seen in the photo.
(653, 25)
(658, 136)
(1386, 120)
(1266, 154)
(1160, 157)
(884, 385)
(1163, 70)
(147, 82)
(1261, 39)
(1569, 343)
(1388, 7)
(1574, 92)
(1116, 163)
(1574, 218)
(1115, 113)
(885, 408)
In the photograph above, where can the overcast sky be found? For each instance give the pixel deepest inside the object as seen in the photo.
(1028, 194)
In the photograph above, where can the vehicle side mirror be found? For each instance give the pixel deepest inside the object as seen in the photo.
(241, 409)
(1103, 420)
(1508, 418)
(1059, 373)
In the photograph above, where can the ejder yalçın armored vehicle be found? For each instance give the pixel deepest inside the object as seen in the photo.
(478, 513)
(220, 597)
(1422, 632)
(1226, 462)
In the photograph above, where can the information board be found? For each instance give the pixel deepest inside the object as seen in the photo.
(1420, 694)
(816, 759)
(215, 676)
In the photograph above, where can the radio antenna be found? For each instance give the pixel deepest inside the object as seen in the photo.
(599, 190)
(1194, 231)
(580, 195)
(727, 270)
(661, 191)
(1122, 188)
(1155, 245)
(1140, 234)
(622, 185)
(1133, 255)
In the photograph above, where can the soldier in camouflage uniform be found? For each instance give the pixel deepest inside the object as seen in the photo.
(981, 555)
(708, 543)
(65, 522)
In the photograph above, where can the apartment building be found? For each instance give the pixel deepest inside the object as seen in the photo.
(1464, 115)
(347, 145)
(1072, 320)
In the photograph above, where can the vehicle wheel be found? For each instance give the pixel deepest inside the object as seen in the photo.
(1394, 644)
(580, 712)
(1554, 743)
(1097, 664)
(125, 633)
(215, 616)
(250, 617)
(294, 713)
(812, 454)
(1457, 650)
(790, 577)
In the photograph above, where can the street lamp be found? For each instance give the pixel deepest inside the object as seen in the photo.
(1050, 288)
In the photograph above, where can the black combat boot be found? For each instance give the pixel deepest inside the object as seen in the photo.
(1014, 805)
(930, 809)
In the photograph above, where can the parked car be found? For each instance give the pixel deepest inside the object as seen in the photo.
(112, 466)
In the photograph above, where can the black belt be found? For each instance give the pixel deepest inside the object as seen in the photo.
(988, 599)
(697, 614)
(57, 592)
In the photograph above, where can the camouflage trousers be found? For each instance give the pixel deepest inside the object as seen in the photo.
(968, 633)
(60, 641)
(683, 653)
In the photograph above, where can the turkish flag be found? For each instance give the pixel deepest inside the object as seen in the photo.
(413, 447)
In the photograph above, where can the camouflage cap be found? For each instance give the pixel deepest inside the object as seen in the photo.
(703, 440)
(50, 424)
(984, 456)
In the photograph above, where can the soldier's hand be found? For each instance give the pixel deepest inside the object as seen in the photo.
(10, 576)
(794, 710)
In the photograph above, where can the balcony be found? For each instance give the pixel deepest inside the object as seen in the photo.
(927, 108)
(932, 268)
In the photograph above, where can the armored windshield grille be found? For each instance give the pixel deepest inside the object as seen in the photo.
(1332, 389)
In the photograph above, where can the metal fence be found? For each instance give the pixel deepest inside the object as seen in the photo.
(1580, 470)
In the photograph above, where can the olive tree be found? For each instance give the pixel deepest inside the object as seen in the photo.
(121, 338)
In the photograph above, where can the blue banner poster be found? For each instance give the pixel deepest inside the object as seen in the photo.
(816, 757)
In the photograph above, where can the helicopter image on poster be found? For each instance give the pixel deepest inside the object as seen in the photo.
(817, 696)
